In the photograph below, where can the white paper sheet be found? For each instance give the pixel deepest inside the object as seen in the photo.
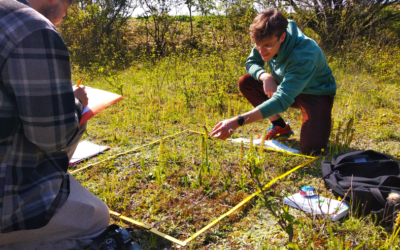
(273, 144)
(86, 150)
(318, 205)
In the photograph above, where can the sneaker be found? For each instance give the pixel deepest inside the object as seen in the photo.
(278, 133)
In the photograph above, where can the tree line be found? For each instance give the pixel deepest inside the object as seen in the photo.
(102, 34)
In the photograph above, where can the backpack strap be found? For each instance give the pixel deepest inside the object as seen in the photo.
(326, 168)
(378, 196)
(336, 160)
(329, 174)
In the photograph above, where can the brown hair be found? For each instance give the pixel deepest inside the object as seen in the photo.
(268, 23)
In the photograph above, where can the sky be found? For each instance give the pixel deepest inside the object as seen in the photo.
(183, 10)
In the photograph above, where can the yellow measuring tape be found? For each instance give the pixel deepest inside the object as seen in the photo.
(140, 224)
(245, 201)
(129, 151)
(197, 234)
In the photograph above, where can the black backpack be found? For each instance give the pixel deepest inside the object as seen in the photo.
(372, 176)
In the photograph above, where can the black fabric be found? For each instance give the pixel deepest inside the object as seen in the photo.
(280, 122)
(114, 238)
(364, 179)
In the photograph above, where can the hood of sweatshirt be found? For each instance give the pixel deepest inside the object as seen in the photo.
(288, 45)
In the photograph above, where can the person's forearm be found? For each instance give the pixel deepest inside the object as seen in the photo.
(262, 75)
(225, 128)
(254, 115)
(254, 64)
(266, 76)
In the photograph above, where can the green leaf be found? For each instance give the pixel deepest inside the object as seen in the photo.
(257, 171)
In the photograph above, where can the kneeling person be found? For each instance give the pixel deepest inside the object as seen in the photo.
(300, 78)
(41, 205)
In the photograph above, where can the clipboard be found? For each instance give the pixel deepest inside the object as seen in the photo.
(97, 101)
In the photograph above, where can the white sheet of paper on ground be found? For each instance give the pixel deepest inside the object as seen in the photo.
(273, 144)
(86, 150)
(318, 205)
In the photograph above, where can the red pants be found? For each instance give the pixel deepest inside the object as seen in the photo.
(316, 110)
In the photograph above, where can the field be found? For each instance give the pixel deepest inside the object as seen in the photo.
(180, 184)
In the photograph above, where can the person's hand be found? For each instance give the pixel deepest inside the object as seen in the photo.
(225, 128)
(80, 93)
(269, 84)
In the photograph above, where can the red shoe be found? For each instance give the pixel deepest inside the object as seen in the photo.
(279, 133)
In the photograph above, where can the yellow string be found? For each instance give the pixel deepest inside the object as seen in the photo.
(129, 151)
(244, 202)
(197, 234)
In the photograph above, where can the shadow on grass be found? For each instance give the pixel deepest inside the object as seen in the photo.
(332, 149)
(151, 241)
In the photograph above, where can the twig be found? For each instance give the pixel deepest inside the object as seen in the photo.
(136, 162)
(196, 203)
(222, 205)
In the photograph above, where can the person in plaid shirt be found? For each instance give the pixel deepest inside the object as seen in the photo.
(41, 205)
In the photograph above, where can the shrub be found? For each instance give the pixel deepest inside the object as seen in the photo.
(96, 37)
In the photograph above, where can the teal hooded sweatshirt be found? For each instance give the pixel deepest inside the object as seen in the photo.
(299, 67)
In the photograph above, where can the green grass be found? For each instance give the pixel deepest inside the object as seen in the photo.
(182, 187)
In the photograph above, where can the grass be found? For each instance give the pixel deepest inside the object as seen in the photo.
(182, 184)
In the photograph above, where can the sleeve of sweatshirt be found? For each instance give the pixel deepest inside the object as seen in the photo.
(296, 79)
(38, 70)
(255, 64)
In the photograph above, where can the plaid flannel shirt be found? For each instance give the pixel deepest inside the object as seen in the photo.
(39, 116)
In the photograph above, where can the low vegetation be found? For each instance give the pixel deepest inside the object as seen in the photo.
(180, 186)
(184, 182)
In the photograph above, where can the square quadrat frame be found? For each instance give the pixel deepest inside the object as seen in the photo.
(204, 229)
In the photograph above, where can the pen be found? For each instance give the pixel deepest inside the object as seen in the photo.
(79, 82)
